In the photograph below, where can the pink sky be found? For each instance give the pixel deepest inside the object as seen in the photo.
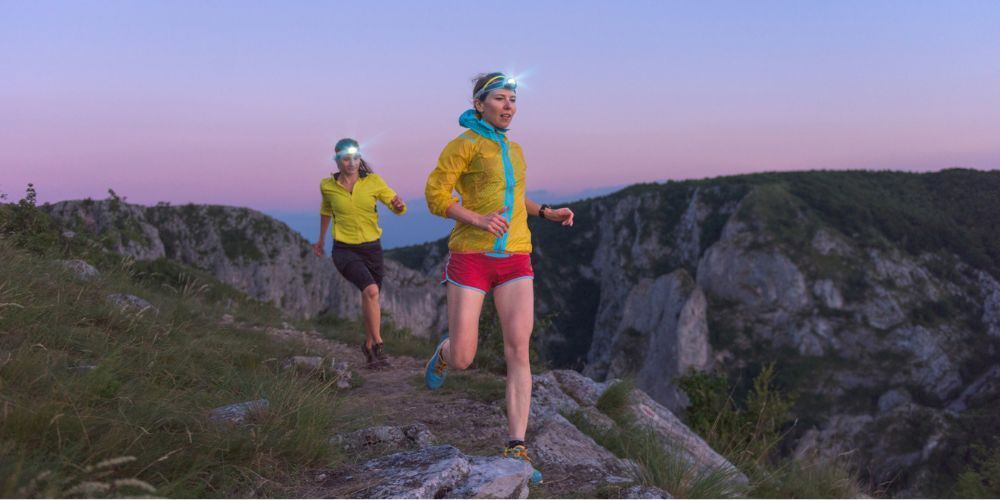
(240, 103)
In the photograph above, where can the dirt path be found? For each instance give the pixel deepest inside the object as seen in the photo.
(467, 413)
(397, 396)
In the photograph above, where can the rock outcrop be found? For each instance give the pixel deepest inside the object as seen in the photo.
(559, 444)
(255, 254)
(432, 472)
(872, 291)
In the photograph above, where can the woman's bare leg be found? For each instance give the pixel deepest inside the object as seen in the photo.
(372, 314)
(464, 306)
(515, 303)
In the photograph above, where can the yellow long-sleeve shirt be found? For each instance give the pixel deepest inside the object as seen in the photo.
(355, 219)
(473, 165)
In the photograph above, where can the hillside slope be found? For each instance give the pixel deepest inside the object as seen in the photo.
(124, 378)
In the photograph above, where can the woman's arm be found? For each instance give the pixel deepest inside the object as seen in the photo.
(389, 198)
(452, 163)
(564, 215)
(324, 224)
(493, 222)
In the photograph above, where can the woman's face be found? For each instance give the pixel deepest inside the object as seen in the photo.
(349, 164)
(498, 108)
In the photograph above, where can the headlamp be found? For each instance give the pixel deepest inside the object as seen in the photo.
(500, 81)
(346, 147)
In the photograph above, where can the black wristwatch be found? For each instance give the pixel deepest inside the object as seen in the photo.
(541, 211)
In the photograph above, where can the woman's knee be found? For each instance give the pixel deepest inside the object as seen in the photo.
(461, 361)
(517, 351)
(460, 358)
(370, 292)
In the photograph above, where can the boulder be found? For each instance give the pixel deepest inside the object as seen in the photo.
(494, 477)
(548, 398)
(674, 434)
(584, 390)
(557, 443)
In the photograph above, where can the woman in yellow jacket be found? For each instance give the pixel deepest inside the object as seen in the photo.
(490, 246)
(349, 199)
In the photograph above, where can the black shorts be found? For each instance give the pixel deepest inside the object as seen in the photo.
(360, 264)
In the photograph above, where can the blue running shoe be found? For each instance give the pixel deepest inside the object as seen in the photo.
(520, 452)
(436, 368)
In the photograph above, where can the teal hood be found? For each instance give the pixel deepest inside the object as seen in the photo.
(470, 121)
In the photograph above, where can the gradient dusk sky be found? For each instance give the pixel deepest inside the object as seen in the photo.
(240, 102)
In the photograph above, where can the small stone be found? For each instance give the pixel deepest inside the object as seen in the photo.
(126, 302)
(303, 362)
(81, 269)
(893, 398)
(228, 319)
(343, 373)
(239, 412)
(645, 492)
(69, 234)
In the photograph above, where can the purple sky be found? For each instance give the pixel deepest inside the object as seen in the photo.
(240, 102)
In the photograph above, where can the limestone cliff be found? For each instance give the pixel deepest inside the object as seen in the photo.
(254, 253)
(875, 293)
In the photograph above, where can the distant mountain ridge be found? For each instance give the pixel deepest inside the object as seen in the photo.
(418, 225)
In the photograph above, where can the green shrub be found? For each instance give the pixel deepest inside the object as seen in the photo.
(749, 434)
(658, 465)
(614, 402)
(27, 227)
(981, 478)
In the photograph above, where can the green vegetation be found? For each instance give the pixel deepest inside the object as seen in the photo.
(26, 227)
(413, 256)
(399, 341)
(749, 435)
(615, 400)
(99, 401)
(981, 478)
(237, 245)
(658, 465)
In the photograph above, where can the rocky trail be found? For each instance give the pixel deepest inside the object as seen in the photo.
(405, 441)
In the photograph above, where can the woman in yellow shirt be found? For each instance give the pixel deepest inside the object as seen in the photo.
(349, 200)
(490, 246)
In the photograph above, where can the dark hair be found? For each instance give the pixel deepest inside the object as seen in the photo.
(365, 169)
(480, 81)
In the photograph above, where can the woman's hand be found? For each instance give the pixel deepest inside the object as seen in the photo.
(397, 204)
(564, 215)
(318, 248)
(493, 222)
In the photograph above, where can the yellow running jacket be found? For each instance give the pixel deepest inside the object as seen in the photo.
(353, 213)
(488, 171)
